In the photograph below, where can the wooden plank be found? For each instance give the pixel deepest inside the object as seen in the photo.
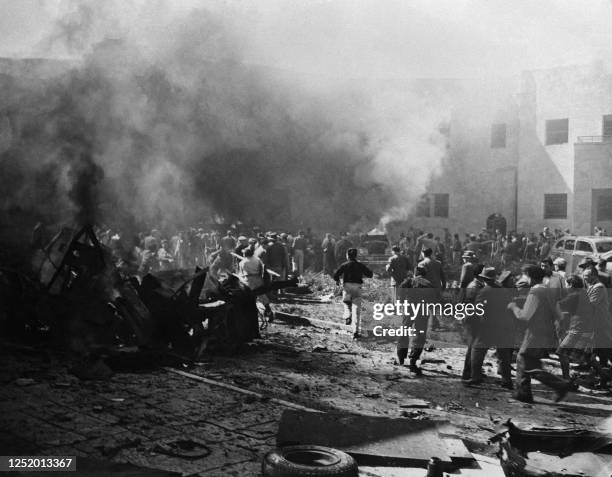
(458, 453)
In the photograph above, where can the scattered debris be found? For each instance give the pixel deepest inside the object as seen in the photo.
(186, 448)
(24, 381)
(371, 440)
(414, 403)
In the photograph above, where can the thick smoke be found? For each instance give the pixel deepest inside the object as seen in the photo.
(159, 120)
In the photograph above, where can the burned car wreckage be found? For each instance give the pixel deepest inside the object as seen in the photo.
(79, 294)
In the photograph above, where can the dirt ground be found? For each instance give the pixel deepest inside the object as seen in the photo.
(317, 365)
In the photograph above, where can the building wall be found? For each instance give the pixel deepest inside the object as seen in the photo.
(592, 171)
(481, 179)
(581, 94)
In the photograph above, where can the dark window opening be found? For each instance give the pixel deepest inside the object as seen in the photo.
(555, 206)
(498, 135)
(557, 131)
(604, 208)
(569, 244)
(423, 207)
(441, 205)
(607, 126)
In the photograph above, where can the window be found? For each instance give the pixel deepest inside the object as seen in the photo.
(557, 131)
(423, 207)
(603, 247)
(569, 244)
(607, 126)
(583, 246)
(498, 135)
(555, 206)
(604, 208)
(440, 205)
(559, 244)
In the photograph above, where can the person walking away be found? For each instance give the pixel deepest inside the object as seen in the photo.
(251, 272)
(398, 267)
(418, 289)
(276, 257)
(539, 312)
(352, 273)
(434, 272)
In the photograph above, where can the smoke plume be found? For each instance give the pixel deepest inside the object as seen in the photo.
(157, 119)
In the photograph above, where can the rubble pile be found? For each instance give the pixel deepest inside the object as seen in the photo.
(77, 295)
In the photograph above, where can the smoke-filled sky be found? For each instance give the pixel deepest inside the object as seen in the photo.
(292, 113)
(364, 38)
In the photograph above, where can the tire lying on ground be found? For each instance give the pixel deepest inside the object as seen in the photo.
(308, 461)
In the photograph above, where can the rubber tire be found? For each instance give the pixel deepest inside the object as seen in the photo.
(277, 464)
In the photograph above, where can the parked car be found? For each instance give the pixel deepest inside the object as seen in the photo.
(574, 248)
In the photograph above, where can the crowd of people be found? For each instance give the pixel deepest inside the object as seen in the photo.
(542, 308)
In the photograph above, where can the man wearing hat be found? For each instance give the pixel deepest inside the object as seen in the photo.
(276, 258)
(352, 273)
(480, 329)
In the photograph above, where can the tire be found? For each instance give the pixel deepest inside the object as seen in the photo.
(308, 461)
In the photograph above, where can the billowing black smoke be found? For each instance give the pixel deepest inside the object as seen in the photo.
(166, 134)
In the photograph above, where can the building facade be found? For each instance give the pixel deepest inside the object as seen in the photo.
(529, 152)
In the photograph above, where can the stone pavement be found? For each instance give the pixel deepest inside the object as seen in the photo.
(127, 418)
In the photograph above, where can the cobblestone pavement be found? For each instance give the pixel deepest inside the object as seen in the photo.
(129, 418)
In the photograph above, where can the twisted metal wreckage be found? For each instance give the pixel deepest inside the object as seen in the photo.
(78, 296)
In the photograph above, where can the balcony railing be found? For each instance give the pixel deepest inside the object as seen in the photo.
(593, 139)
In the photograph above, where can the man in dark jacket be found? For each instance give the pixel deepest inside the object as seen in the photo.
(342, 247)
(352, 273)
(420, 289)
(539, 312)
(398, 267)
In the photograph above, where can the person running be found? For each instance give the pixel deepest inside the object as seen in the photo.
(352, 273)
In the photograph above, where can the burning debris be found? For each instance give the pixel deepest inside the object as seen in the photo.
(77, 295)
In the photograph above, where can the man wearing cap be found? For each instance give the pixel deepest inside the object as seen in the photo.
(398, 267)
(352, 273)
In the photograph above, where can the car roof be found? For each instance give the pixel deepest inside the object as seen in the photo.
(594, 238)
